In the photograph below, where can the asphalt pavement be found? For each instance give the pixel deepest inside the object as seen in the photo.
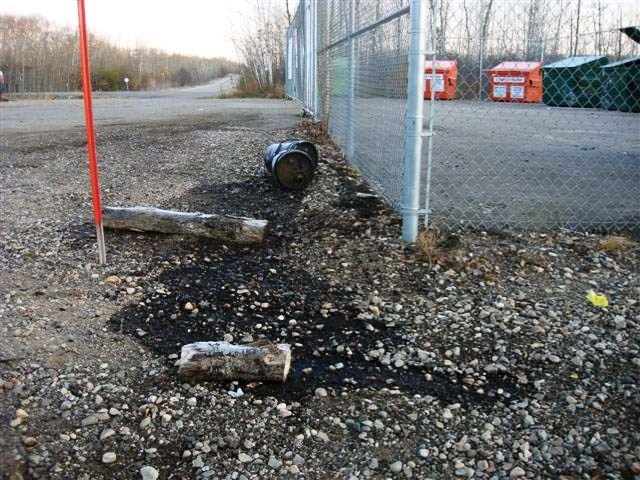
(122, 108)
(505, 164)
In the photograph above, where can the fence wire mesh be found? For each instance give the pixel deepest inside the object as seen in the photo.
(535, 107)
(526, 138)
(362, 76)
(296, 55)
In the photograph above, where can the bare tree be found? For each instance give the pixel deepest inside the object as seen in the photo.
(533, 35)
(486, 17)
(556, 37)
(288, 13)
(577, 29)
(467, 26)
(440, 10)
(260, 42)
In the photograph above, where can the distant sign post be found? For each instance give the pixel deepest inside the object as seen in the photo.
(126, 82)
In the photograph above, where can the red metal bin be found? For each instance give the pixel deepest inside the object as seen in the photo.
(516, 82)
(446, 77)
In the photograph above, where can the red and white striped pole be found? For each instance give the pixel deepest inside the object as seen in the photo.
(91, 133)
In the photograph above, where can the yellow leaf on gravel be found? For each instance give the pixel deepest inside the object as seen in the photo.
(597, 300)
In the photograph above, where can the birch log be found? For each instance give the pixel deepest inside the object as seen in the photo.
(220, 227)
(260, 361)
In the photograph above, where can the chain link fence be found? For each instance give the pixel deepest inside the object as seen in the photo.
(362, 78)
(301, 61)
(530, 109)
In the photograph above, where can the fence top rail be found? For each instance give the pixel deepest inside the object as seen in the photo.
(372, 26)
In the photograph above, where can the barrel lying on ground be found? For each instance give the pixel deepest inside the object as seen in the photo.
(257, 361)
(292, 163)
(225, 228)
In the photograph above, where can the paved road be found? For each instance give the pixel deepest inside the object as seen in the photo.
(140, 107)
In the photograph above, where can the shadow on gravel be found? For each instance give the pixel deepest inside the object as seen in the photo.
(266, 292)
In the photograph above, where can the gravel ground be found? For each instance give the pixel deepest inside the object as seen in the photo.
(476, 358)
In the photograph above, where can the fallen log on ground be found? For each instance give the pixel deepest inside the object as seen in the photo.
(259, 361)
(219, 227)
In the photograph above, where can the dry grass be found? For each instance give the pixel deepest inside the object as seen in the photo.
(427, 246)
(615, 243)
(250, 89)
(435, 246)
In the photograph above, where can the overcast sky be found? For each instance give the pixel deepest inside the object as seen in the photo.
(192, 27)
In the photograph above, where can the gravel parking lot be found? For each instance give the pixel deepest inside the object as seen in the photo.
(473, 355)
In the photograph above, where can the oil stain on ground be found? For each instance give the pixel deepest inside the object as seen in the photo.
(264, 291)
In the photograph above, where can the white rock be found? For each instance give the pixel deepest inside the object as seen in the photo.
(237, 394)
(148, 473)
(90, 420)
(106, 433)
(321, 392)
(517, 473)
(109, 457)
(244, 458)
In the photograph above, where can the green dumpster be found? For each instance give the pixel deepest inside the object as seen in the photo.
(621, 85)
(573, 82)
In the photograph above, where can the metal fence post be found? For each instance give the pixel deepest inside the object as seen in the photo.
(351, 79)
(480, 61)
(305, 60)
(314, 60)
(413, 123)
(432, 108)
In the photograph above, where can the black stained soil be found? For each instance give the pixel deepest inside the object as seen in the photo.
(266, 291)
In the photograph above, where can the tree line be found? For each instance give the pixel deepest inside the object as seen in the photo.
(520, 29)
(482, 33)
(533, 29)
(36, 56)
